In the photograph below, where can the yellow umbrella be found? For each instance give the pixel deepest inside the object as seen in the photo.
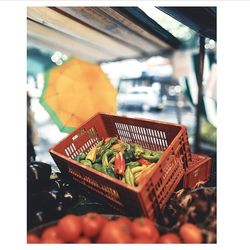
(75, 91)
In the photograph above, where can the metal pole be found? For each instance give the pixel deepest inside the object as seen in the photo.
(178, 108)
(200, 90)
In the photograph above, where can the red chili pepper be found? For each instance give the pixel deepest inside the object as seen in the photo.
(120, 165)
(107, 139)
(144, 162)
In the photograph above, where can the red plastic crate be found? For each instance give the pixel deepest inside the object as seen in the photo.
(199, 170)
(151, 195)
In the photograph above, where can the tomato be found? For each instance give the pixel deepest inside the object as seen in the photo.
(115, 232)
(142, 240)
(190, 233)
(125, 221)
(50, 233)
(83, 240)
(69, 228)
(144, 228)
(33, 239)
(92, 224)
(52, 241)
(169, 238)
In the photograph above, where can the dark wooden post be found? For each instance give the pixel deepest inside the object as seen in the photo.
(200, 90)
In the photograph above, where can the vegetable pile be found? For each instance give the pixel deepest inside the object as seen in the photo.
(197, 206)
(49, 196)
(129, 163)
(96, 228)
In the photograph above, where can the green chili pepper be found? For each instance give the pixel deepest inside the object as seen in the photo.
(138, 150)
(110, 172)
(105, 161)
(92, 154)
(98, 167)
(148, 152)
(112, 160)
(138, 169)
(128, 154)
(99, 144)
(104, 148)
(79, 157)
(119, 147)
(129, 177)
(154, 156)
(86, 163)
(133, 164)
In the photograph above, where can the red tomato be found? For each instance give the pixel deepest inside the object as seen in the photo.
(69, 228)
(83, 240)
(144, 162)
(170, 238)
(125, 221)
(190, 233)
(142, 240)
(33, 239)
(144, 228)
(114, 232)
(52, 241)
(92, 224)
(50, 233)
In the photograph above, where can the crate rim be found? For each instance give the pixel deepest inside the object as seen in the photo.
(133, 118)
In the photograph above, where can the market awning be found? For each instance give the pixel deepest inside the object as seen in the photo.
(200, 19)
(99, 34)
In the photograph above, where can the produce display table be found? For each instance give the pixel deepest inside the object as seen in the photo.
(126, 167)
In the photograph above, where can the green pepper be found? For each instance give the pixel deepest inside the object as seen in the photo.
(138, 150)
(98, 167)
(86, 163)
(92, 155)
(99, 144)
(154, 156)
(128, 154)
(104, 148)
(110, 171)
(129, 177)
(148, 152)
(112, 160)
(133, 164)
(79, 157)
(109, 143)
(138, 169)
(105, 161)
(119, 147)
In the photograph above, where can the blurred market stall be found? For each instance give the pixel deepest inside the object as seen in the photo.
(132, 33)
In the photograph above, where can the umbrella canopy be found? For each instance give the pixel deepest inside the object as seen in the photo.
(75, 91)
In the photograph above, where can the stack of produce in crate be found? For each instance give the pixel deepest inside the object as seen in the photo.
(129, 163)
(135, 166)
